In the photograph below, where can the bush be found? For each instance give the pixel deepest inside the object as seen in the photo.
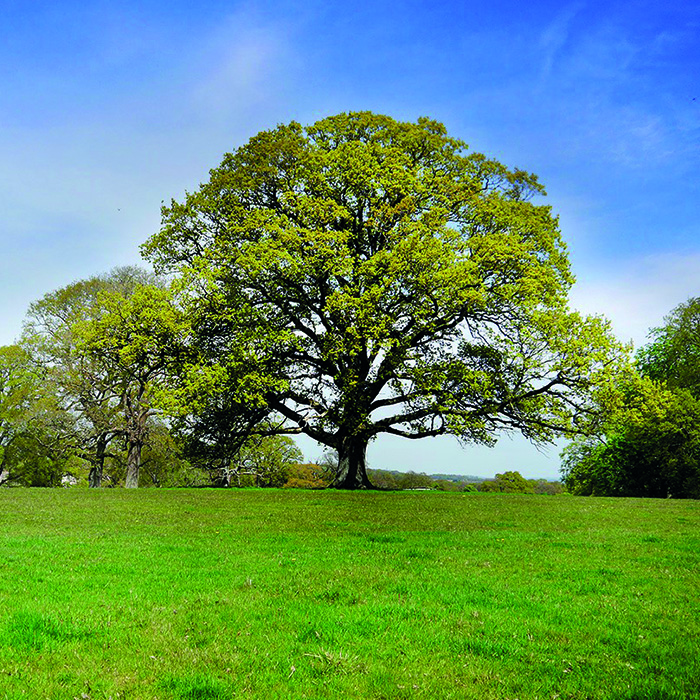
(306, 476)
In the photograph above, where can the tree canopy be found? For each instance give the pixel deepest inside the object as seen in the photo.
(673, 355)
(649, 446)
(36, 435)
(649, 443)
(102, 344)
(362, 276)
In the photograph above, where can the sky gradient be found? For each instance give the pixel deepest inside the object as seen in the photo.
(109, 108)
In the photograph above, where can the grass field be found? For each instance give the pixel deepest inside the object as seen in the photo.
(200, 595)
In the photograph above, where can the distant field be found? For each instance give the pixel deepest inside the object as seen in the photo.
(201, 595)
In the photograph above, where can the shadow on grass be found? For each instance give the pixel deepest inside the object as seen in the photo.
(196, 686)
(36, 631)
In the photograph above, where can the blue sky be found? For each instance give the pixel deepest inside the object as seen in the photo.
(108, 108)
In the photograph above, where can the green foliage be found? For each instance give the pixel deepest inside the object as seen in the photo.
(18, 391)
(265, 593)
(362, 276)
(306, 476)
(673, 356)
(413, 480)
(651, 448)
(259, 460)
(508, 482)
(104, 344)
(266, 460)
(543, 487)
(134, 337)
(649, 444)
(163, 463)
(445, 485)
(36, 435)
(384, 480)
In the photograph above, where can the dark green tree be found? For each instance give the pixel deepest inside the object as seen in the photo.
(673, 355)
(508, 482)
(650, 443)
(650, 447)
(37, 436)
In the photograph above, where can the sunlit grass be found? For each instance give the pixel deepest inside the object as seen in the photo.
(279, 594)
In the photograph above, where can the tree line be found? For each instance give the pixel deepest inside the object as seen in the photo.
(356, 277)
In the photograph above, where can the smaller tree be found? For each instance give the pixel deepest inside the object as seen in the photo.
(673, 355)
(411, 480)
(306, 476)
(650, 447)
(37, 437)
(542, 487)
(89, 341)
(384, 480)
(133, 337)
(266, 460)
(649, 441)
(163, 463)
(508, 482)
(445, 485)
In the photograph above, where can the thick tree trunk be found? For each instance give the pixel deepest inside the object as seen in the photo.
(133, 464)
(352, 465)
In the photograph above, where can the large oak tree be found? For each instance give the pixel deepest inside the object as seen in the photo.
(363, 276)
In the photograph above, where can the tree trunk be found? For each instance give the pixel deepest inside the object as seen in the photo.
(133, 464)
(95, 477)
(136, 436)
(352, 464)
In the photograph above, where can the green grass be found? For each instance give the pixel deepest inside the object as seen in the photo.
(207, 595)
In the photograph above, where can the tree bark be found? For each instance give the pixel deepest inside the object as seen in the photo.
(352, 464)
(95, 477)
(136, 437)
(133, 464)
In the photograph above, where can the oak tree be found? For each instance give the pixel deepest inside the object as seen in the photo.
(363, 276)
(132, 337)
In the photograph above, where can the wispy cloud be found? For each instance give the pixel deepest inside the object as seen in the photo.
(555, 36)
(244, 62)
(615, 82)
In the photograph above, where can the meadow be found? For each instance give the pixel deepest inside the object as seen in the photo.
(213, 594)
